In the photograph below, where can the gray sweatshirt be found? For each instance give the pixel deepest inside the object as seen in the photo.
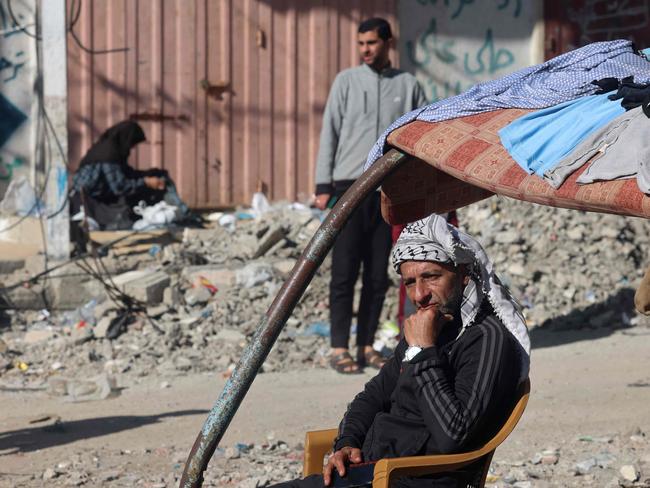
(361, 105)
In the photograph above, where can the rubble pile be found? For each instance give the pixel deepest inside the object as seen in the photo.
(608, 461)
(568, 269)
(206, 294)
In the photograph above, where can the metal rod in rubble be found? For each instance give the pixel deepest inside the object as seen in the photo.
(280, 310)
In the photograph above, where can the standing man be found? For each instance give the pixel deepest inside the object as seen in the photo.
(362, 103)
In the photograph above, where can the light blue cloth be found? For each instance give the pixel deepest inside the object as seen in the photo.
(563, 78)
(540, 139)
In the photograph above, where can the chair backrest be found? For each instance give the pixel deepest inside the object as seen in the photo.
(389, 468)
(318, 443)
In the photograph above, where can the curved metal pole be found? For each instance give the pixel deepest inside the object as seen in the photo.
(272, 323)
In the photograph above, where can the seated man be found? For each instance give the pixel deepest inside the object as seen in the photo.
(452, 381)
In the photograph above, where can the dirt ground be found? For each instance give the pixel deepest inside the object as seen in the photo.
(584, 383)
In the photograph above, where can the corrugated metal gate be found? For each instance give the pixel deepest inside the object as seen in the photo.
(229, 92)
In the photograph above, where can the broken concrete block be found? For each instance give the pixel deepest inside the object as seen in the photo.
(285, 266)
(218, 275)
(197, 295)
(36, 336)
(272, 236)
(26, 298)
(103, 324)
(69, 292)
(190, 234)
(78, 390)
(9, 265)
(231, 336)
(171, 296)
(144, 285)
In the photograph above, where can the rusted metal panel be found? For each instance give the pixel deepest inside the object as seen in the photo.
(230, 93)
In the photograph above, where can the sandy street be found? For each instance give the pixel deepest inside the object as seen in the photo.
(584, 383)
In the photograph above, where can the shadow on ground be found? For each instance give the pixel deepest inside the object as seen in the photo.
(61, 433)
(585, 324)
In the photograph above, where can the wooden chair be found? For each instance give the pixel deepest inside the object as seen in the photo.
(319, 442)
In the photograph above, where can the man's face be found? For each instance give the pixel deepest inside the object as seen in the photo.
(373, 49)
(430, 284)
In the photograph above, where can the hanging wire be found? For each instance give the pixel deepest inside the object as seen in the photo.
(17, 24)
(75, 13)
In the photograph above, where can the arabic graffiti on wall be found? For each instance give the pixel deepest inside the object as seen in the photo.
(17, 76)
(451, 45)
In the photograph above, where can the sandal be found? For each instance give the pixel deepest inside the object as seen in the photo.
(374, 359)
(344, 364)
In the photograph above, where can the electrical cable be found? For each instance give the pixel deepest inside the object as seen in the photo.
(75, 18)
(100, 250)
(21, 28)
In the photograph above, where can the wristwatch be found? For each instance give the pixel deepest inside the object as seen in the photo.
(410, 353)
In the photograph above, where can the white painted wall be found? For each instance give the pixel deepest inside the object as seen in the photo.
(450, 45)
(55, 103)
(18, 103)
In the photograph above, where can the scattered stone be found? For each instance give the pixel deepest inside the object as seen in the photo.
(583, 467)
(232, 336)
(77, 390)
(197, 295)
(38, 335)
(145, 285)
(285, 266)
(103, 325)
(49, 474)
(219, 275)
(629, 472)
(110, 476)
(273, 235)
(232, 453)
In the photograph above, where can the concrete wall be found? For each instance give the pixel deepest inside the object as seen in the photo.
(450, 45)
(18, 104)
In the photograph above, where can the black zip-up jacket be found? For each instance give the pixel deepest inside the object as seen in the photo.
(450, 398)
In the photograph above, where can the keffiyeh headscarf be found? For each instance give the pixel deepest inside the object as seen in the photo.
(433, 239)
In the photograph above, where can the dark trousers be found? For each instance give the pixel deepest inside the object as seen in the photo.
(364, 240)
(313, 481)
(316, 481)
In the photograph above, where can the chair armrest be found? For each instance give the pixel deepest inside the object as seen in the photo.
(386, 469)
(317, 444)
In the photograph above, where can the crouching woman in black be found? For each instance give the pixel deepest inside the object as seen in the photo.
(109, 188)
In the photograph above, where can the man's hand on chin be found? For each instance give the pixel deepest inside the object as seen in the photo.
(423, 327)
(339, 460)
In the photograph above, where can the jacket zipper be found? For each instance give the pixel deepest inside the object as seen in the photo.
(365, 102)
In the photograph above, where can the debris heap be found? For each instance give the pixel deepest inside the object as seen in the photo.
(206, 293)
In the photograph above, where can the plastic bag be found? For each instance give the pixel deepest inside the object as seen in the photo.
(79, 217)
(19, 198)
(260, 204)
(154, 216)
(228, 222)
(254, 274)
